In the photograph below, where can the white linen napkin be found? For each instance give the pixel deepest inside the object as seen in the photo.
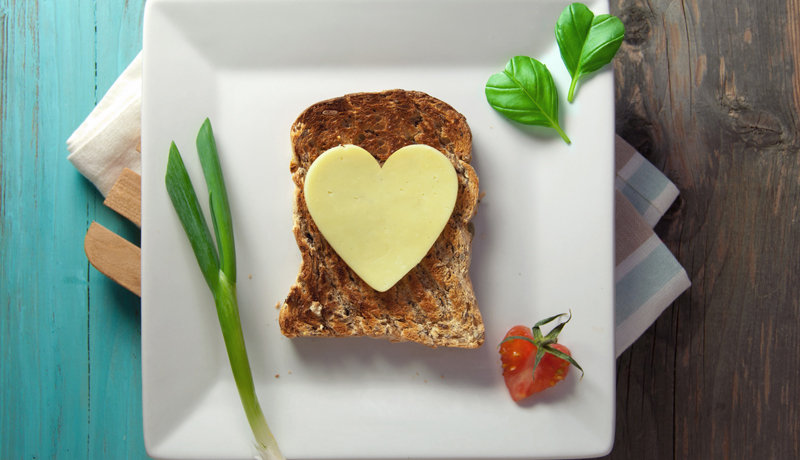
(647, 277)
(109, 140)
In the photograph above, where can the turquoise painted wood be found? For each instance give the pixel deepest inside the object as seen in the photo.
(70, 370)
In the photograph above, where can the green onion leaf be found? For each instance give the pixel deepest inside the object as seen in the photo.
(218, 197)
(184, 200)
(219, 270)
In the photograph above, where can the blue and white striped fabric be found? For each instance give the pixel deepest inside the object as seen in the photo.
(647, 276)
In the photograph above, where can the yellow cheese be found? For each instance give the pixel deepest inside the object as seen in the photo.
(381, 220)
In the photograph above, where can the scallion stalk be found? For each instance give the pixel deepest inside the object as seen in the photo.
(218, 266)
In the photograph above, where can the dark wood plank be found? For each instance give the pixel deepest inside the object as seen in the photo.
(710, 93)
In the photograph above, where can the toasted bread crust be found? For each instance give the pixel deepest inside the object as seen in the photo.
(434, 304)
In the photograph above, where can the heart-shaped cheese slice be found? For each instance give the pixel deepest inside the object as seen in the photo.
(381, 220)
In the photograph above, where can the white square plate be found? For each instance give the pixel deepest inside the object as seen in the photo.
(543, 244)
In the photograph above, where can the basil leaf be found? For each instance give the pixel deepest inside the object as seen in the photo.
(587, 42)
(525, 92)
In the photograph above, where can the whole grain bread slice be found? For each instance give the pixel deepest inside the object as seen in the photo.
(434, 304)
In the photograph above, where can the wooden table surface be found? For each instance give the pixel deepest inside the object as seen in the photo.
(708, 91)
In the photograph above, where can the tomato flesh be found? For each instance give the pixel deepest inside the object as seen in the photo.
(518, 357)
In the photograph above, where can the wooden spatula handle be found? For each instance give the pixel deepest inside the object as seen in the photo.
(114, 257)
(125, 196)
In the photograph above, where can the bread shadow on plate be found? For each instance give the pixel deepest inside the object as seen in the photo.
(382, 359)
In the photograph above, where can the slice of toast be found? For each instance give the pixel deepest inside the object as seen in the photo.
(434, 303)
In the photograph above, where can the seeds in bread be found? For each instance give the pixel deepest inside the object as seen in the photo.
(434, 304)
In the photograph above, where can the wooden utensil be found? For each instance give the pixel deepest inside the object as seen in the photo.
(114, 256)
(125, 196)
(108, 252)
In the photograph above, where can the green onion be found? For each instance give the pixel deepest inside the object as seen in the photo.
(218, 266)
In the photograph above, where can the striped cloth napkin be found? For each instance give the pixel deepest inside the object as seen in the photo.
(648, 278)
